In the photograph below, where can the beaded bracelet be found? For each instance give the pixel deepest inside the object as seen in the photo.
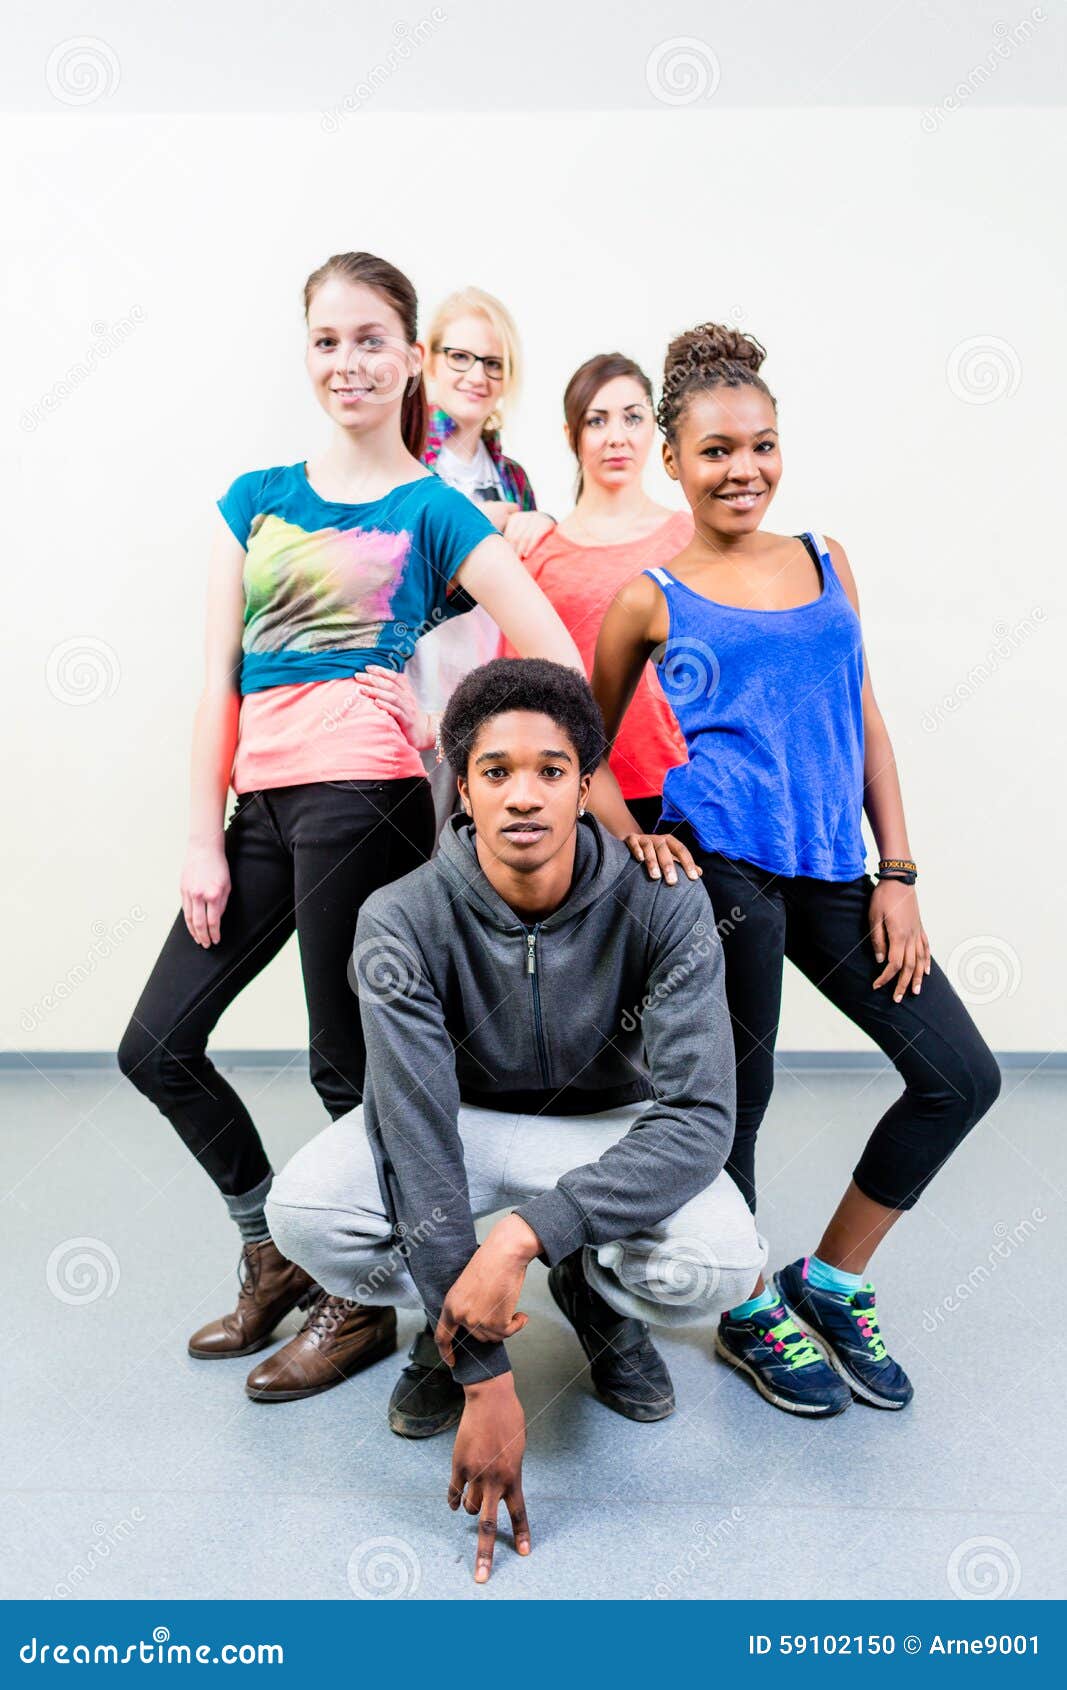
(898, 868)
(437, 745)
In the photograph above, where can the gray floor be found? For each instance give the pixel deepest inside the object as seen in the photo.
(134, 1471)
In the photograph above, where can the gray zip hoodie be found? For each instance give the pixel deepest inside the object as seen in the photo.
(614, 998)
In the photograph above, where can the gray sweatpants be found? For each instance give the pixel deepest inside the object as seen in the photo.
(325, 1212)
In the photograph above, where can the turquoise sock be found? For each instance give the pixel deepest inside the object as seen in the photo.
(827, 1278)
(765, 1300)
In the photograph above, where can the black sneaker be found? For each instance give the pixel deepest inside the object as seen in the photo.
(629, 1374)
(426, 1399)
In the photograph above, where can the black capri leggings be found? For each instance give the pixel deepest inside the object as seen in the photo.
(303, 859)
(950, 1075)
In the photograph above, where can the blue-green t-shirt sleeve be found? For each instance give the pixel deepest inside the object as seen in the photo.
(238, 504)
(456, 526)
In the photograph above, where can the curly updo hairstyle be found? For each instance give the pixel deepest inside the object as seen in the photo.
(711, 355)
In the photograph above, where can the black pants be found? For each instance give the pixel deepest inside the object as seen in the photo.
(303, 859)
(950, 1076)
(645, 812)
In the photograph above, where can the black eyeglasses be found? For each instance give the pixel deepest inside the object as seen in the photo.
(458, 359)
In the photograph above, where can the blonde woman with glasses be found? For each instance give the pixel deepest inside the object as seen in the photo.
(473, 375)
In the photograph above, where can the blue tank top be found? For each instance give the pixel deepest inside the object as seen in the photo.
(769, 703)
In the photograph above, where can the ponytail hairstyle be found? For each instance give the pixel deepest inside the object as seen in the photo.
(709, 356)
(394, 287)
(583, 388)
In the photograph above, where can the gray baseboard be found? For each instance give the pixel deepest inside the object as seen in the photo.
(18, 1061)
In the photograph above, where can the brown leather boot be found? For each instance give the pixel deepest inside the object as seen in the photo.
(337, 1339)
(270, 1287)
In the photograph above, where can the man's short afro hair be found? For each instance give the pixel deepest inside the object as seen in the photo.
(524, 683)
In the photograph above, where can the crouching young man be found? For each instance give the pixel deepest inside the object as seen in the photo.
(546, 1033)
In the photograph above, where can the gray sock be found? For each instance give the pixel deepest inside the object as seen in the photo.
(247, 1211)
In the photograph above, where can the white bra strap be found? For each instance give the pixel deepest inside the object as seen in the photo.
(820, 543)
(659, 575)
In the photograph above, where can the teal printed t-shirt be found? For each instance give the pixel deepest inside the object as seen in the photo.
(331, 588)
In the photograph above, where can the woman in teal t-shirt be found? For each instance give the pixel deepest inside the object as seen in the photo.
(322, 578)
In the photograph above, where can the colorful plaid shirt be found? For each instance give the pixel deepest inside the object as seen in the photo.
(515, 480)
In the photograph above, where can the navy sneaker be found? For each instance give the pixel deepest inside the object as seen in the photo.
(845, 1325)
(782, 1362)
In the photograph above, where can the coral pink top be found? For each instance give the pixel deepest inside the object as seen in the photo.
(581, 581)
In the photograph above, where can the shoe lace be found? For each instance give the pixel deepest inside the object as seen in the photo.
(793, 1345)
(866, 1318)
(326, 1313)
(248, 1270)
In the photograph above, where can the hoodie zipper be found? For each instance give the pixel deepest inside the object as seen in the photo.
(539, 1029)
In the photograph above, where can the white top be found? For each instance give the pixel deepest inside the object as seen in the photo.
(478, 478)
(446, 654)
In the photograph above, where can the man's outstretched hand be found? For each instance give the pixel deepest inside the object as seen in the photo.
(487, 1466)
(484, 1296)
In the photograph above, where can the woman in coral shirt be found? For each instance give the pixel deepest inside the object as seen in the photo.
(614, 531)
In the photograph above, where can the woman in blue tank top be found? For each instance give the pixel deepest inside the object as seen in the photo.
(758, 644)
